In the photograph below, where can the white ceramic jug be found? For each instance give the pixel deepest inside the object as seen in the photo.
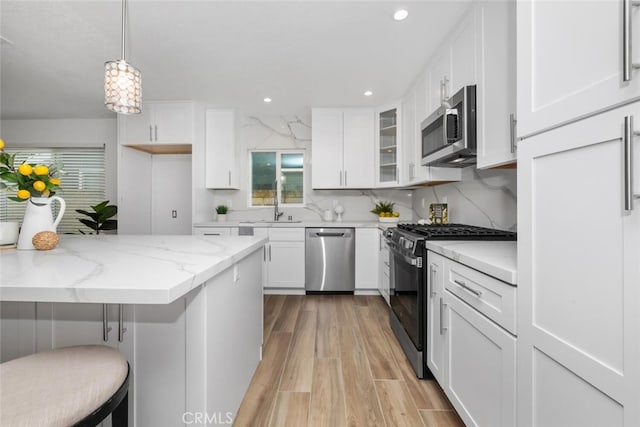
(38, 217)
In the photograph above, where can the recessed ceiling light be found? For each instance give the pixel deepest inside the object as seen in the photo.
(368, 93)
(400, 15)
(267, 100)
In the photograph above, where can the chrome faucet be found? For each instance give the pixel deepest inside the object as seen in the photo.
(276, 214)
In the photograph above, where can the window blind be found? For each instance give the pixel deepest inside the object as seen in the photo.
(83, 183)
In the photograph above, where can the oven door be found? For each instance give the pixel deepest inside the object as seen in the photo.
(407, 294)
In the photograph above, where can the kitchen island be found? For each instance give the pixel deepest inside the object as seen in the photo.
(186, 311)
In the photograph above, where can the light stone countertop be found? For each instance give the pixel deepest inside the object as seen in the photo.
(123, 269)
(300, 224)
(497, 259)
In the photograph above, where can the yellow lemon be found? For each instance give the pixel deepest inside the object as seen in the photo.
(25, 169)
(39, 186)
(396, 214)
(1, 144)
(41, 170)
(54, 181)
(23, 194)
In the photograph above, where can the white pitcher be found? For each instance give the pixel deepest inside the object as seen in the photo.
(38, 217)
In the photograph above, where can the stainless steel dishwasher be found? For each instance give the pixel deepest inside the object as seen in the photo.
(330, 260)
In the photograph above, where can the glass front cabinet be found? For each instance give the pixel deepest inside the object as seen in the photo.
(388, 143)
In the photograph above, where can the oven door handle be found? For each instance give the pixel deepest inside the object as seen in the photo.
(416, 262)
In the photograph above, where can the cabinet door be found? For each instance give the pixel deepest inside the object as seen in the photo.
(496, 87)
(409, 139)
(173, 122)
(220, 150)
(366, 258)
(463, 53)
(480, 368)
(137, 128)
(171, 194)
(326, 147)
(388, 146)
(358, 148)
(435, 303)
(286, 264)
(563, 75)
(134, 191)
(215, 231)
(17, 329)
(578, 296)
(439, 69)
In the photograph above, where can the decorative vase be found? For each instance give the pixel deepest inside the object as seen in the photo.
(222, 217)
(39, 217)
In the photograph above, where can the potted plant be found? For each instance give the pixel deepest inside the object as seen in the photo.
(100, 217)
(385, 212)
(222, 210)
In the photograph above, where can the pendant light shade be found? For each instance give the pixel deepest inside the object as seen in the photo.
(122, 81)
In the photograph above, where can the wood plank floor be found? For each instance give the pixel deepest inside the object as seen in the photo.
(332, 360)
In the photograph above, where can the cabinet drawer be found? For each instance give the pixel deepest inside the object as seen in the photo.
(286, 234)
(215, 231)
(491, 297)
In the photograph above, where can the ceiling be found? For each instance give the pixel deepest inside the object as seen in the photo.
(225, 53)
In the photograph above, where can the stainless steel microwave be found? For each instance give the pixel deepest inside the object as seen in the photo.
(449, 136)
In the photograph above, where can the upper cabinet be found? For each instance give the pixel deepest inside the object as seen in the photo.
(496, 83)
(342, 147)
(161, 122)
(388, 146)
(221, 169)
(564, 75)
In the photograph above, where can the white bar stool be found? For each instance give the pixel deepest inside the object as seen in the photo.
(70, 386)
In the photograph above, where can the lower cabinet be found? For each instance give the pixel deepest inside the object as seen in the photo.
(472, 357)
(384, 284)
(215, 231)
(191, 359)
(285, 257)
(366, 259)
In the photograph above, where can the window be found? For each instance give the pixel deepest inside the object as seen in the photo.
(83, 183)
(288, 166)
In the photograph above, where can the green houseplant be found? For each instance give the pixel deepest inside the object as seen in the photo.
(222, 210)
(100, 218)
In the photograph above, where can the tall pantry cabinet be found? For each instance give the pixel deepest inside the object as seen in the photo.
(578, 220)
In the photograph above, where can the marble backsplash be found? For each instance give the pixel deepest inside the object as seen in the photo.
(294, 132)
(484, 198)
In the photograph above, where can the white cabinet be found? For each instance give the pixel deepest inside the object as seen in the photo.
(221, 168)
(215, 231)
(564, 75)
(342, 148)
(480, 367)
(161, 122)
(367, 259)
(496, 84)
(470, 350)
(439, 76)
(579, 299)
(384, 284)
(285, 258)
(435, 305)
(464, 52)
(170, 194)
(388, 143)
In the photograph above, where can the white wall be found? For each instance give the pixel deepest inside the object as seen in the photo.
(288, 132)
(68, 133)
(486, 198)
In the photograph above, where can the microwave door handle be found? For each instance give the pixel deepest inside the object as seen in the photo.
(445, 134)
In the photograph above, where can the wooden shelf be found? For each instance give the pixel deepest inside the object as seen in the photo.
(162, 148)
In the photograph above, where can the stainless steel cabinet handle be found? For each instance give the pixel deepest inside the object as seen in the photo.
(398, 175)
(121, 328)
(442, 306)
(464, 285)
(156, 129)
(512, 131)
(212, 234)
(627, 50)
(431, 281)
(229, 177)
(330, 234)
(269, 253)
(340, 178)
(627, 140)
(264, 253)
(150, 133)
(345, 179)
(105, 323)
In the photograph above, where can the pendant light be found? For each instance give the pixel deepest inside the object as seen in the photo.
(122, 81)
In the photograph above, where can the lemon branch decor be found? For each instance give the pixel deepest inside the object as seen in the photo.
(26, 179)
(385, 210)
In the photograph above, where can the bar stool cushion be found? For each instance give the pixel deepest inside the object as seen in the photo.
(59, 387)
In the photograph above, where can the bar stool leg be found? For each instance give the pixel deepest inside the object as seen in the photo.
(120, 415)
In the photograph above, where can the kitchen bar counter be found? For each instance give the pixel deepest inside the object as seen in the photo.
(124, 269)
(497, 259)
(303, 224)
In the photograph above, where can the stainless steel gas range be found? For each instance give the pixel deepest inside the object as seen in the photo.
(408, 293)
